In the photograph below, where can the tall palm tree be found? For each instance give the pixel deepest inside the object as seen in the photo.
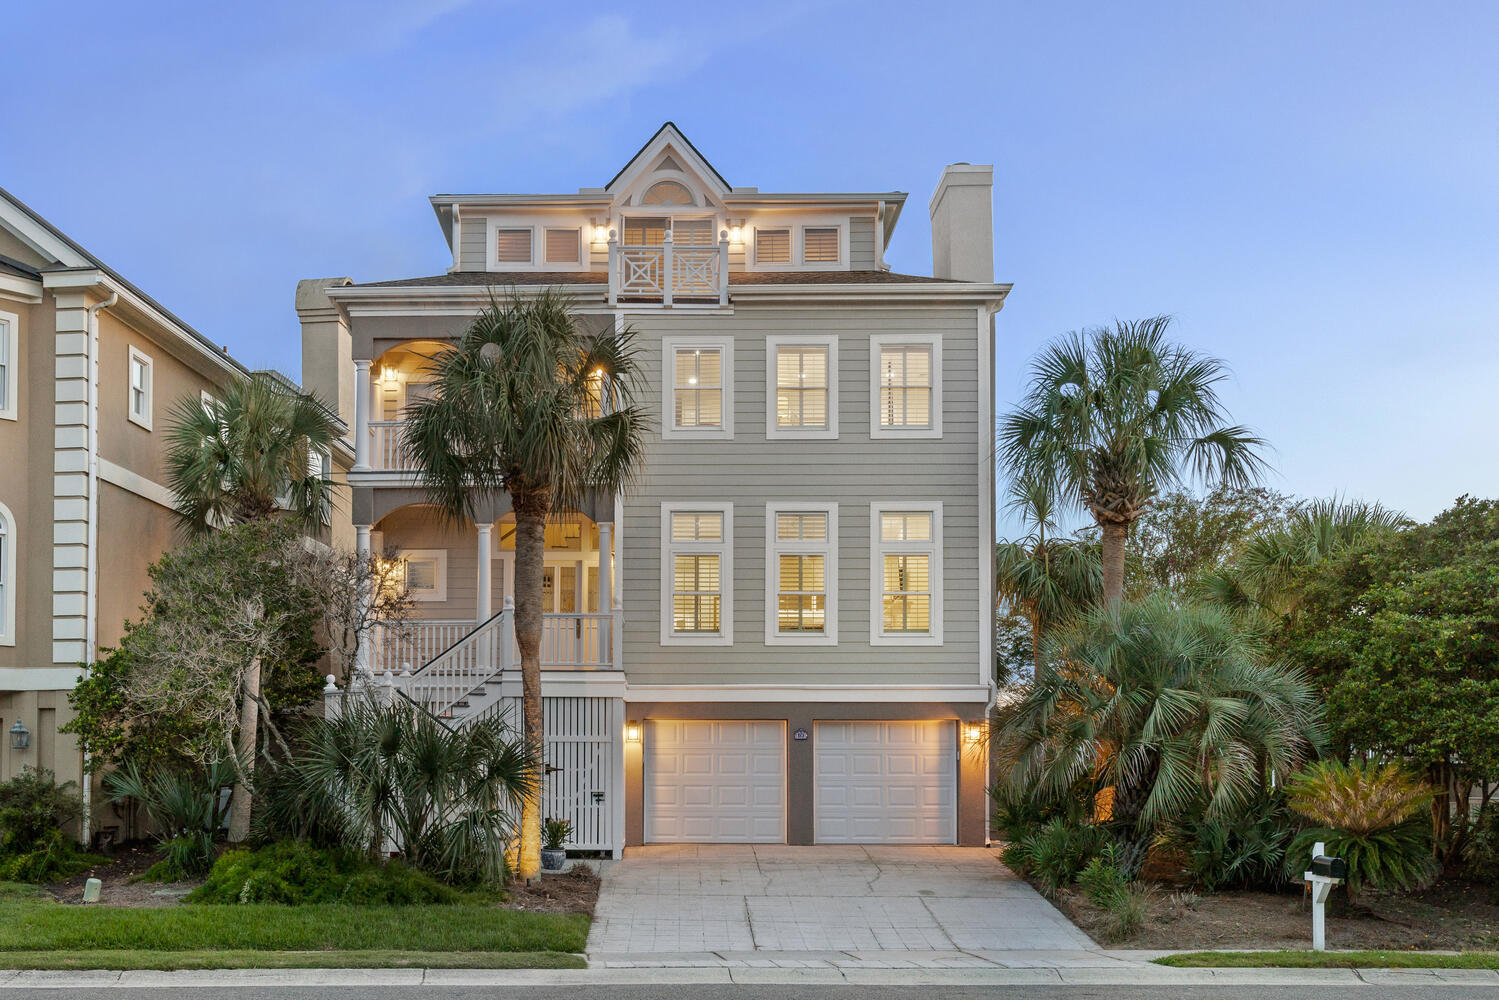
(528, 404)
(1167, 704)
(1047, 578)
(1115, 416)
(250, 455)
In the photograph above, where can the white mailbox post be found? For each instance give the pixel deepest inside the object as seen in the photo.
(1326, 872)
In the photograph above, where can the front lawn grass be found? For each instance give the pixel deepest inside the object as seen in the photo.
(45, 927)
(173, 960)
(1331, 960)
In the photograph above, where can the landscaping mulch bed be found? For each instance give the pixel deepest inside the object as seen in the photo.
(1451, 915)
(574, 891)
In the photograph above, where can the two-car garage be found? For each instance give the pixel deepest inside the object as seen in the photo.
(868, 781)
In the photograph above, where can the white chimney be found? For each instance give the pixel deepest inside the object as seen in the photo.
(963, 223)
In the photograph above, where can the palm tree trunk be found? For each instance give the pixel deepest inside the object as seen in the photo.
(1113, 562)
(249, 722)
(530, 545)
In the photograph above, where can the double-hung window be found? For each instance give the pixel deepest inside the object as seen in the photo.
(906, 386)
(138, 402)
(802, 386)
(697, 574)
(699, 387)
(7, 577)
(10, 366)
(801, 558)
(906, 557)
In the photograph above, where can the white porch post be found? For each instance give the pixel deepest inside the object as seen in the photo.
(484, 599)
(362, 419)
(668, 277)
(606, 585)
(723, 267)
(364, 654)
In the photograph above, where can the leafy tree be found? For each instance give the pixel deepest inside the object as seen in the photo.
(250, 455)
(1171, 706)
(1116, 416)
(527, 403)
(1184, 535)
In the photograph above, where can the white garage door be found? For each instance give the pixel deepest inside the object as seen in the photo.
(886, 782)
(715, 782)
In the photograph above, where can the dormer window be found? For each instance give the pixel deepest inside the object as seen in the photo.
(820, 245)
(772, 246)
(512, 246)
(667, 193)
(563, 246)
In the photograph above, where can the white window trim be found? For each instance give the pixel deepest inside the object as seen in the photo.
(441, 557)
(800, 246)
(538, 224)
(882, 340)
(725, 551)
(560, 265)
(877, 549)
(12, 537)
(142, 420)
(774, 548)
(12, 333)
(774, 430)
(792, 253)
(669, 348)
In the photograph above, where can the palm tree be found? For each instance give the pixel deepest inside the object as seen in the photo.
(250, 455)
(1113, 417)
(1168, 705)
(528, 404)
(1047, 578)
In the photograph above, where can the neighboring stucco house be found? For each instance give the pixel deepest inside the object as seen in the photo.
(89, 368)
(784, 635)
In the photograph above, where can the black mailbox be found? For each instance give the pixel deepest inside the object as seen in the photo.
(1329, 867)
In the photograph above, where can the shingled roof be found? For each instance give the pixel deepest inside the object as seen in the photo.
(480, 279)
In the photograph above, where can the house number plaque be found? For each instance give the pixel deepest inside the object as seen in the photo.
(800, 734)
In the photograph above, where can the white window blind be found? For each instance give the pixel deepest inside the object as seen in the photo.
(803, 561)
(697, 554)
(906, 385)
(802, 387)
(907, 551)
(772, 246)
(698, 388)
(692, 232)
(513, 246)
(562, 246)
(645, 231)
(820, 245)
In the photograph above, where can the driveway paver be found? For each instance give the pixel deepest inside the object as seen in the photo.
(824, 907)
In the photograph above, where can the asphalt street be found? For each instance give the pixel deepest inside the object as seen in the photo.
(751, 992)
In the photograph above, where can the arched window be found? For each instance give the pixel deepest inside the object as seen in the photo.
(8, 582)
(667, 193)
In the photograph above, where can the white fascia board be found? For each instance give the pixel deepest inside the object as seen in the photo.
(804, 199)
(512, 200)
(888, 291)
(846, 693)
(19, 289)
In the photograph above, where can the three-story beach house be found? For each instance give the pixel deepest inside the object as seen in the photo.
(784, 634)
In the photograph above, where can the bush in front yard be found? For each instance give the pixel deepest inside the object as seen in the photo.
(298, 873)
(1244, 849)
(33, 846)
(1054, 854)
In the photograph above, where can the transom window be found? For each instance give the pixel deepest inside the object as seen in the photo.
(699, 387)
(907, 563)
(512, 246)
(802, 558)
(907, 386)
(696, 573)
(9, 366)
(772, 246)
(138, 405)
(667, 193)
(820, 245)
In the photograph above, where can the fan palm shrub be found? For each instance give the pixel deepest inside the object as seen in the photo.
(185, 808)
(394, 778)
(1244, 849)
(1115, 416)
(1172, 707)
(528, 404)
(1372, 815)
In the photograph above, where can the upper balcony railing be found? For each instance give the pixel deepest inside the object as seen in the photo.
(669, 274)
(387, 447)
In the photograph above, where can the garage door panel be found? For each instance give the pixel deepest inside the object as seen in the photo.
(715, 782)
(885, 782)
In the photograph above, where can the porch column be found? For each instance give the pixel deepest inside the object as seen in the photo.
(363, 653)
(483, 600)
(362, 419)
(606, 566)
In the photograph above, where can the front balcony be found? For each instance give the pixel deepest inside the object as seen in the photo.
(668, 273)
(568, 642)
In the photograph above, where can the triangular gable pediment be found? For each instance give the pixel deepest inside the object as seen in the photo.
(669, 151)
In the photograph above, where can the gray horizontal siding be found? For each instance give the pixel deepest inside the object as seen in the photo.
(855, 470)
(861, 251)
(473, 250)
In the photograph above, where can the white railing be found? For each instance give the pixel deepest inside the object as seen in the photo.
(448, 679)
(388, 451)
(414, 644)
(668, 272)
(568, 641)
(578, 641)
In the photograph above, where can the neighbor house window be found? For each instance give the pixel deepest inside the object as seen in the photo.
(563, 246)
(10, 365)
(772, 246)
(512, 246)
(7, 577)
(820, 245)
(907, 574)
(906, 386)
(138, 404)
(697, 573)
(802, 573)
(802, 376)
(426, 573)
(699, 387)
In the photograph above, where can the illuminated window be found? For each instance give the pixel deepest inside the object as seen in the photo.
(426, 574)
(696, 569)
(820, 245)
(802, 559)
(907, 386)
(772, 246)
(699, 387)
(563, 246)
(907, 562)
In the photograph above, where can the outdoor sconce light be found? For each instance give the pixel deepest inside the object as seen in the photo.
(20, 736)
(632, 732)
(388, 375)
(600, 234)
(736, 234)
(972, 733)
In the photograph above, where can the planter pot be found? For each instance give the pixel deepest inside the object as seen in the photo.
(553, 861)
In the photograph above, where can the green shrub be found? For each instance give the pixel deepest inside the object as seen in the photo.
(554, 833)
(1126, 911)
(33, 846)
(1243, 850)
(56, 856)
(187, 809)
(1055, 853)
(1481, 852)
(1019, 814)
(296, 873)
(1101, 881)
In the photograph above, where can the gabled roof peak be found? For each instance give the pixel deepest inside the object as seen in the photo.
(669, 135)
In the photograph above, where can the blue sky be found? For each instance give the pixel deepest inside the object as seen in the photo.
(1312, 189)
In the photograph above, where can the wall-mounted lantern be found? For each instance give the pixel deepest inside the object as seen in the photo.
(20, 736)
(632, 732)
(973, 732)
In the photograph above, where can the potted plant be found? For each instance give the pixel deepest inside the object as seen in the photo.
(554, 833)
